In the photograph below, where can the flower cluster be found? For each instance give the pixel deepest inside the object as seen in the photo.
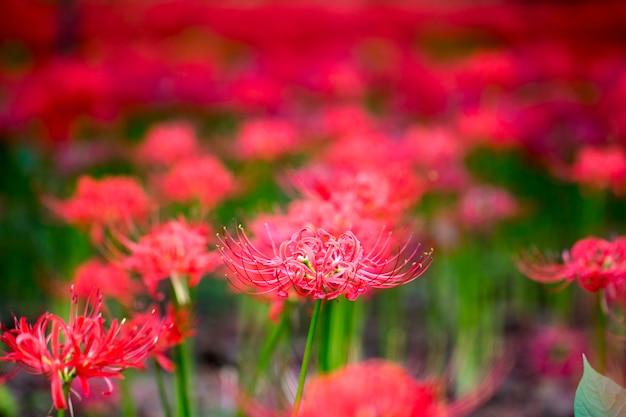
(82, 348)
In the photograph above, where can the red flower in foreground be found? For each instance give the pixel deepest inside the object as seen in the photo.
(316, 263)
(372, 388)
(81, 348)
(169, 250)
(106, 202)
(595, 263)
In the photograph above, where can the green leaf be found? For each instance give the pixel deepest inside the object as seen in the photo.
(598, 396)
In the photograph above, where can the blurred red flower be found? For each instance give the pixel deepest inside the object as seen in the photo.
(111, 201)
(172, 250)
(203, 179)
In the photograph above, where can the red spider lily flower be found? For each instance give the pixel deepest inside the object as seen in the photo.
(111, 201)
(314, 262)
(167, 143)
(204, 179)
(173, 249)
(111, 280)
(80, 349)
(601, 168)
(595, 263)
(372, 388)
(176, 326)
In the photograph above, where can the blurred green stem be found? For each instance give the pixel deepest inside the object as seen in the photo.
(307, 356)
(600, 334)
(182, 354)
(165, 405)
(128, 408)
(276, 332)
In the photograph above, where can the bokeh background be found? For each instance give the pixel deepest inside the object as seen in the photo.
(511, 113)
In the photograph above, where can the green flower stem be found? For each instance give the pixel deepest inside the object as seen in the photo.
(66, 394)
(165, 405)
(307, 356)
(182, 354)
(600, 334)
(128, 408)
(276, 332)
(338, 334)
(183, 378)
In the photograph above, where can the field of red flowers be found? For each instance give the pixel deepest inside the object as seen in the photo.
(345, 209)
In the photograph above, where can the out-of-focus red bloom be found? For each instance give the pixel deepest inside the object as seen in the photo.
(481, 207)
(173, 249)
(556, 351)
(60, 93)
(80, 349)
(595, 263)
(372, 388)
(203, 179)
(601, 168)
(176, 326)
(319, 264)
(347, 119)
(111, 280)
(167, 143)
(267, 139)
(110, 201)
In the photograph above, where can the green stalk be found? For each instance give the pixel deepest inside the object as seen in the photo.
(128, 409)
(268, 348)
(307, 355)
(182, 354)
(66, 394)
(183, 373)
(600, 334)
(165, 405)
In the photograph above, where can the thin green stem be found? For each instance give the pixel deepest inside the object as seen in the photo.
(128, 408)
(165, 405)
(600, 334)
(268, 348)
(307, 355)
(182, 354)
(183, 377)
(66, 394)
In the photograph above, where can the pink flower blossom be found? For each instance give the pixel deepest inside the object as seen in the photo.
(601, 168)
(171, 250)
(203, 179)
(80, 349)
(319, 264)
(595, 263)
(167, 143)
(110, 201)
(556, 351)
(481, 207)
